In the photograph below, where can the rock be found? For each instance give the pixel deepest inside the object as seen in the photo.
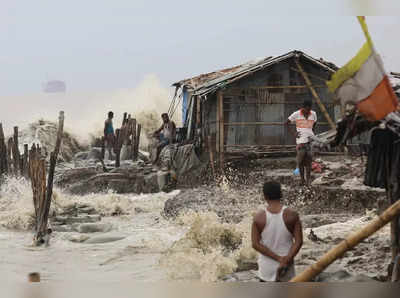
(78, 238)
(94, 227)
(337, 276)
(104, 239)
(94, 153)
(81, 155)
(77, 219)
(71, 176)
(246, 265)
(127, 179)
(139, 210)
(61, 228)
(244, 276)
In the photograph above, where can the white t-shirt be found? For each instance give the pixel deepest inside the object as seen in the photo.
(303, 126)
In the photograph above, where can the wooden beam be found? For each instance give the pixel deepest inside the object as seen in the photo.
(315, 94)
(313, 76)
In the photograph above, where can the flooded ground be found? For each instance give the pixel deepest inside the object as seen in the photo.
(146, 235)
(197, 234)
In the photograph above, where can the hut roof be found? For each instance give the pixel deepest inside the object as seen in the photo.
(210, 82)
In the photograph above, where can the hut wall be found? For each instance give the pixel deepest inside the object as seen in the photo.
(255, 115)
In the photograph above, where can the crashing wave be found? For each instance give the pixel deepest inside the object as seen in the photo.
(44, 133)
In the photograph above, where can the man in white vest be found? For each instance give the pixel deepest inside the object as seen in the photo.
(277, 235)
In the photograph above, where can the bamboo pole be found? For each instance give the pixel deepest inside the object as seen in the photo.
(348, 243)
(315, 94)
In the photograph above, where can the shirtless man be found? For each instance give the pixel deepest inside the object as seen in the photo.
(277, 235)
(166, 134)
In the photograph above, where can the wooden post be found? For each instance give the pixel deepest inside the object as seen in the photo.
(315, 95)
(103, 147)
(347, 244)
(217, 126)
(117, 146)
(42, 214)
(25, 164)
(124, 118)
(10, 146)
(198, 111)
(221, 129)
(134, 157)
(137, 141)
(16, 154)
(3, 153)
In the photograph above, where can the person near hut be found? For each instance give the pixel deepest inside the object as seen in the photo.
(109, 136)
(165, 134)
(277, 236)
(305, 120)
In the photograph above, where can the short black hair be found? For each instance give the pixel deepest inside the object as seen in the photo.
(164, 114)
(307, 103)
(110, 114)
(272, 190)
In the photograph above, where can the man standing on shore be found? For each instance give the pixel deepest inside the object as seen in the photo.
(305, 120)
(109, 136)
(277, 235)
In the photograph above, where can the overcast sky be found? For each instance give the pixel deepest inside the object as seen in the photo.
(103, 47)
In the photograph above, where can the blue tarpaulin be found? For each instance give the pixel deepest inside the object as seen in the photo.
(185, 102)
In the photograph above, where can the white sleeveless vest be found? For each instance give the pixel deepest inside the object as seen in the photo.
(277, 238)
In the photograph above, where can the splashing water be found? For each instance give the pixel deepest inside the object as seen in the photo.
(210, 249)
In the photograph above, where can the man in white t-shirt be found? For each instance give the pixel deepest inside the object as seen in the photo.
(305, 120)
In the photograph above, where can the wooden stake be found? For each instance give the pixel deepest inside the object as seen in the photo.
(15, 151)
(10, 146)
(3, 153)
(348, 243)
(117, 147)
(315, 94)
(137, 142)
(42, 194)
(103, 147)
(25, 164)
(134, 157)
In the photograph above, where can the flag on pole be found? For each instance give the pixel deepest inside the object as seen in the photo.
(363, 82)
